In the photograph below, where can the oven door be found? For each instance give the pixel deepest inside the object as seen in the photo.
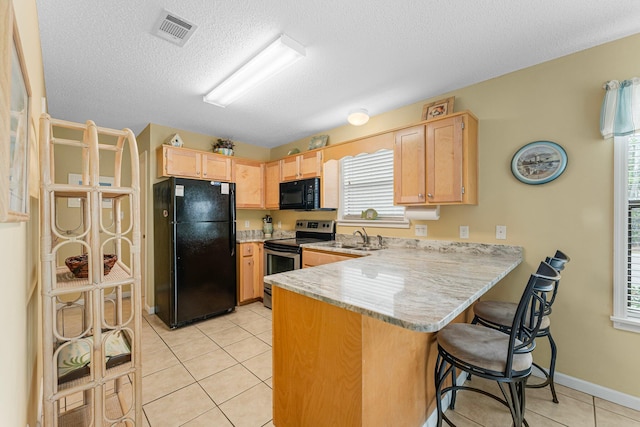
(279, 261)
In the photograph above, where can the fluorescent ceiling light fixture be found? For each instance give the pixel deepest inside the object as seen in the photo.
(275, 58)
(358, 117)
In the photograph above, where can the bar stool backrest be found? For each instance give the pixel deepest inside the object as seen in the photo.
(530, 311)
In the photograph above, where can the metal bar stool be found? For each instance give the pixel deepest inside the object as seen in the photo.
(493, 355)
(499, 315)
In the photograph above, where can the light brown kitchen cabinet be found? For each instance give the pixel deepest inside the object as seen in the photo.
(187, 163)
(301, 166)
(249, 177)
(409, 165)
(250, 271)
(437, 162)
(313, 257)
(272, 185)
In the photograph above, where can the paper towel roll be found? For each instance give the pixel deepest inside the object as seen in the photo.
(422, 212)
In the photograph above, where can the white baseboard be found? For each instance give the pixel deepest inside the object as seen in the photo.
(150, 310)
(562, 379)
(596, 390)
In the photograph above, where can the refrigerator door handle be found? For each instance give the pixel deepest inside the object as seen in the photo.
(232, 207)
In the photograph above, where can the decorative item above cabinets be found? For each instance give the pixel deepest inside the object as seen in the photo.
(436, 163)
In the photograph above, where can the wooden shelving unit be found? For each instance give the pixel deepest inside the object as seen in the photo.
(91, 326)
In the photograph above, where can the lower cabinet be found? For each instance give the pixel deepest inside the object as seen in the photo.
(312, 257)
(250, 272)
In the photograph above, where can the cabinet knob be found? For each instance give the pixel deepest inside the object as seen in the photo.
(420, 196)
(429, 195)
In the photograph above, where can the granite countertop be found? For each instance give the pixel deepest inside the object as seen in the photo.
(248, 236)
(422, 287)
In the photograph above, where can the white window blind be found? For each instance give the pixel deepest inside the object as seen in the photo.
(367, 183)
(633, 227)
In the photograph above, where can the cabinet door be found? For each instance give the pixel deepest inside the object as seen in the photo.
(245, 279)
(444, 160)
(181, 162)
(272, 185)
(249, 176)
(216, 167)
(289, 168)
(310, 164)
(409, 166)
(258, 275)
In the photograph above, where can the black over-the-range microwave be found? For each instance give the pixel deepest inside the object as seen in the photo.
(303, 194)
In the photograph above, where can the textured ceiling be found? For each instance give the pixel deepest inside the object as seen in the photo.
(102, 63)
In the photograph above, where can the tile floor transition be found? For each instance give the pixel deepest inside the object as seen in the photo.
(217, 373)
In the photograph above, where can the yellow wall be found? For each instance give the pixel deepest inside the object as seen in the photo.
(19, 365)
(558, 101)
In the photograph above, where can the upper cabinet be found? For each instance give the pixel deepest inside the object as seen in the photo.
(437, 162)
(409, 166)
(249, 177)
(272, 185)
(184, 162)
(301, 166)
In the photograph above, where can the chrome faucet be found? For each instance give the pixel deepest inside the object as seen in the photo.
(363, 234)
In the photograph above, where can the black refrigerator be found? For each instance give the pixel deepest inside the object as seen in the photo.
(194, 249)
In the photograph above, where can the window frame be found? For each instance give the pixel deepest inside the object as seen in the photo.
(621, 317)
(400, 222)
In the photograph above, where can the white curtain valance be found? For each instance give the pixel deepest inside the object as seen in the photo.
(620, 114)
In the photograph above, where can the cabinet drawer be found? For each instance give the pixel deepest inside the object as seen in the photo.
(246, 250)
(312, 258)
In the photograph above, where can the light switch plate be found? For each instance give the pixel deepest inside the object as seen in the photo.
(247, 224)
(501, 232)
(421, 230)
(464, 231)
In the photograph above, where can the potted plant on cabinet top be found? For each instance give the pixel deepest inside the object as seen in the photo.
(223, 146)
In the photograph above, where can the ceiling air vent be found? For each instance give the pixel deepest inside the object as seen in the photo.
(173, 28)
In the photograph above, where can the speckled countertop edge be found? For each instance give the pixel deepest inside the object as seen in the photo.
(420, 286)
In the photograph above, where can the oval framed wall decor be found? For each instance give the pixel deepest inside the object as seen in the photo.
(539, 162)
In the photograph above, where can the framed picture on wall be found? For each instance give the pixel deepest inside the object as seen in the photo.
(438, 108)
(14, 125)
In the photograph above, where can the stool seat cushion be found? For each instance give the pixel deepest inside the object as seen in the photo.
(502, 313)
(480, 346)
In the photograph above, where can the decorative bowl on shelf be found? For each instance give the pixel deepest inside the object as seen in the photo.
(225, 151)
(79, 266)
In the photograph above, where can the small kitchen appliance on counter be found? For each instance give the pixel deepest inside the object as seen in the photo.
(282, 255)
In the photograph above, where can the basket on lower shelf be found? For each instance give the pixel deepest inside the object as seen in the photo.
(79, 265)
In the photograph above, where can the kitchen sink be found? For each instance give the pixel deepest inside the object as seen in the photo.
(355, 247)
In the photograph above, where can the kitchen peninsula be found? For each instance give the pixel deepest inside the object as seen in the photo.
(354, 341)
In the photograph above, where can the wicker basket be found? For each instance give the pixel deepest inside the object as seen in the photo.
(79, 265)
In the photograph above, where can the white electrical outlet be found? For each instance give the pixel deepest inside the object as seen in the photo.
(501, 232)
(247, 224)
(279, 225)
(464, 231)
(421, 230)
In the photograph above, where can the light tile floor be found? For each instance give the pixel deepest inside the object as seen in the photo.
(217, 373)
